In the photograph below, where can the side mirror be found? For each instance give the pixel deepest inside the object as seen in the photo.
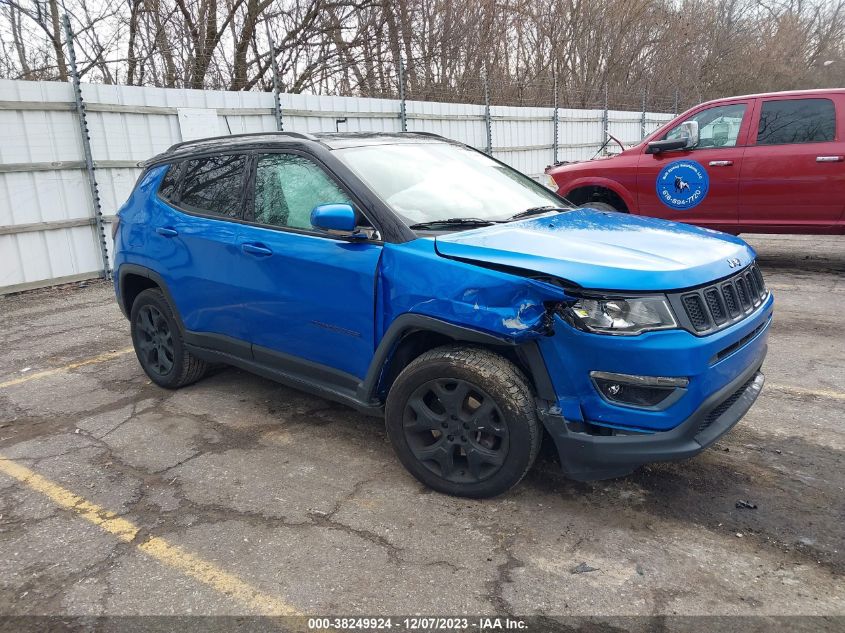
(337, 219)
(689, 131)
(687, 139)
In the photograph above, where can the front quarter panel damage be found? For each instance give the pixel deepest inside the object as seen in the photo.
(414, 279)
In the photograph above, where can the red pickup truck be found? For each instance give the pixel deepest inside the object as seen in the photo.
(766, 163)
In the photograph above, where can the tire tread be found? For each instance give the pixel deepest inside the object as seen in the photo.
(513, 385)
(192, 368)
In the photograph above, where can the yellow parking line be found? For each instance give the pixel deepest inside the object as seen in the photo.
(815, 393)
(58, 370)
(164, 552)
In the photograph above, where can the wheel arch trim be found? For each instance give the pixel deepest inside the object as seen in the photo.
(409, 323)
(606, 183)
(142, 271)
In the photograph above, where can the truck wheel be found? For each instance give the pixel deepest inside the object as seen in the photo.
(158, 342)
(462, 420)
(598, 206)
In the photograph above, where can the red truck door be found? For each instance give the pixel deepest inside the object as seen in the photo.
(793, 171)
(699, 185)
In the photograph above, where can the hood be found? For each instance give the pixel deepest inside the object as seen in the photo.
(604, 250)
(575, 165)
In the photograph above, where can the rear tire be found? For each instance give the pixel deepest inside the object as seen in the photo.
(159, 344)
(463, 421)
(598, 206)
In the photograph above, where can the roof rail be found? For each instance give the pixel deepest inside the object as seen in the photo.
(303, 135)
(423, 133)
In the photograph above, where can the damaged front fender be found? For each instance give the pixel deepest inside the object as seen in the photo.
(414, 279)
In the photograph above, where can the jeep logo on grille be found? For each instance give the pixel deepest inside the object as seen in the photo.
(733, 262)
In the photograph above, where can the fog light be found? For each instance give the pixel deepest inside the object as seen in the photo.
(647, 392)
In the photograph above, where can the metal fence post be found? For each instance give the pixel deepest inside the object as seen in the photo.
(555, 119)
(277, 105)
(86, 149)
(402, 113)
(487, 122)
(676, 102)
(605, 118)
(642, 118)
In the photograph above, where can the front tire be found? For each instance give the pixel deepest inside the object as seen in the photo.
(462, 420)
(159, 345)
(598, 206)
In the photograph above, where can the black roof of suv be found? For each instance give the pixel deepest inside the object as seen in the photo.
(329, 140)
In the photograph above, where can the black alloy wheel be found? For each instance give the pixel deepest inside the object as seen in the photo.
(155, 343)
(463, 421)
(159, 342)
(456, 430)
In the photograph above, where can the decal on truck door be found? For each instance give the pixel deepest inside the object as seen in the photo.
(682, 184)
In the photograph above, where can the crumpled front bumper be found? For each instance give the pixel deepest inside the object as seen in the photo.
(587, 457)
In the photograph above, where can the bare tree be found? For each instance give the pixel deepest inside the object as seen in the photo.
(698, 49)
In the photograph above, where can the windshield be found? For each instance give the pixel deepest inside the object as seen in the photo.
(427, 182)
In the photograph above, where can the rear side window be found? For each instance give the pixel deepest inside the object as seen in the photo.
(169, 184)
(213, 185)
(796, 121)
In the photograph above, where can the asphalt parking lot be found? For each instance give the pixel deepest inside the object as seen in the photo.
(240, 496)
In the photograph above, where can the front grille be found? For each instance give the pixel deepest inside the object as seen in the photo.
(723, 406)
(696, 313)
(714, 304)
(744, 297)
(729, 292)
(714, 307)
(758, 276)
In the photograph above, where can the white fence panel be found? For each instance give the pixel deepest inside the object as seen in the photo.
(523, 137)
(626, 126)
(317, 113)
(459, 121)
(37, 134)
(655, 120)
(47, 232)
(580, 133)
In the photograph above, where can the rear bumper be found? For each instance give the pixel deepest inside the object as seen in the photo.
(588, 457)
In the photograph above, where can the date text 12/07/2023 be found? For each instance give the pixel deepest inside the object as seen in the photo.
(418, 623)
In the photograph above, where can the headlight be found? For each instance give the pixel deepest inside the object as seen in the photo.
(547, 181)
(621, 315)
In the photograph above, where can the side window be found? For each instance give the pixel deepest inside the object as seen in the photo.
(213, 185)
(796, 121)
(288, 187)
(717, 126)
(167, 190)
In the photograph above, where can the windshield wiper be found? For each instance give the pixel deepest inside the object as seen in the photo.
(452, 222)
(536, 211)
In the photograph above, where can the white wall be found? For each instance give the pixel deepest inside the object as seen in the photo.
(46, 233)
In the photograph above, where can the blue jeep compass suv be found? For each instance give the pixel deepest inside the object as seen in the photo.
(416, 278)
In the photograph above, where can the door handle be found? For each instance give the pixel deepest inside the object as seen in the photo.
(256, 249)
(830, 159)
(167, 232)
(721, 163)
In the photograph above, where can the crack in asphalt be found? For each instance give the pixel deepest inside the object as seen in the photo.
(504, 570)
(327, 520)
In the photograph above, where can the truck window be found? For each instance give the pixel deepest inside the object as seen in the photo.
(796, 121)
(717, 126)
